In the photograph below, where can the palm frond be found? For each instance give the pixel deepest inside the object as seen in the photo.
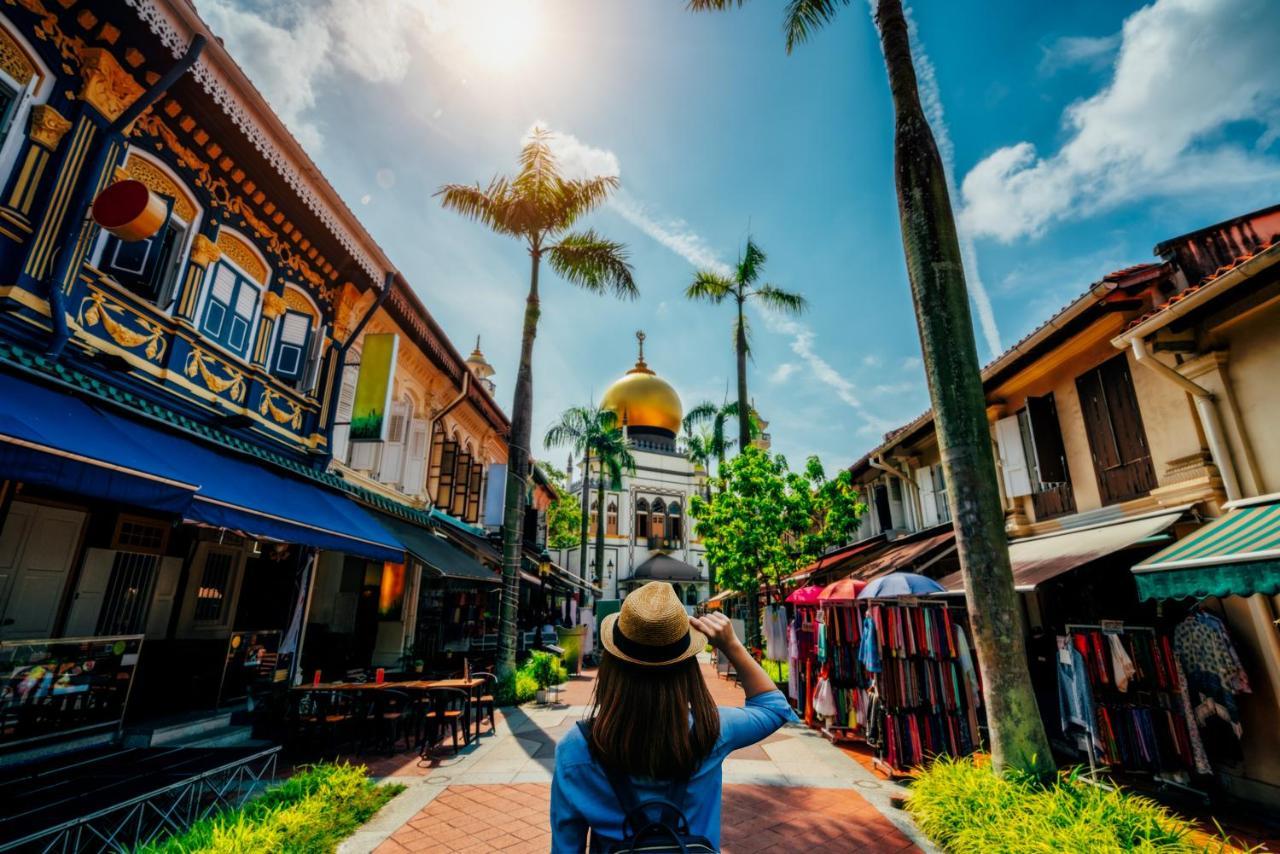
(573, 428)
(491, 206)
(700, 414)
(578, 196)
(589, 261)
(776, 299)
(539, 171)
(709, 287)
(802, 18)
(751, 263)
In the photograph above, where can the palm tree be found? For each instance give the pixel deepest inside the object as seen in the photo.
(715, 440)
(581, 427)
(593, 431)
(538, 207)
(941, 301)
(713, 287)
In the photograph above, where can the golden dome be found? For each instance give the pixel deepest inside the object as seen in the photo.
(643, 399)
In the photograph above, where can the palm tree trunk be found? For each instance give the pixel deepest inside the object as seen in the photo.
(600, 529)
(586, 513)
(517, 475)
(964, 435)
(744, 414)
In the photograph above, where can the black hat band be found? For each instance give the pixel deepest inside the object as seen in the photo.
(645, 652)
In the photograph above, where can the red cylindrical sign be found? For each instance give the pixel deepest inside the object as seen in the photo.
(129, 210)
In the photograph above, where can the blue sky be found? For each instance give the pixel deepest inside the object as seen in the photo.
(1078, 136)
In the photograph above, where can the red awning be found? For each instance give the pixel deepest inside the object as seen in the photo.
(844, 590)
(805, 595)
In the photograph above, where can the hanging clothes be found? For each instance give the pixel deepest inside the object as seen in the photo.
(1121, 665)
(1214, 673)
(1075, 696)
(869, 649)
(775, 633)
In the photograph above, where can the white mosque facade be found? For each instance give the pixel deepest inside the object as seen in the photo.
(648, 530)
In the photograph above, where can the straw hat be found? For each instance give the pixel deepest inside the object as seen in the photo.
(652, 629)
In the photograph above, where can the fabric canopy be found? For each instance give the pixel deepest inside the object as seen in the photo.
(54, 439)
(844, 590)
(62, 442)
(440, 557)
(1235, 555)
(909, 554)
(897, 584)
(1038, 559)
(805, 595)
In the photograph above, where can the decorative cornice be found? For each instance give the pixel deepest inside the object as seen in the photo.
(158, 181)
(14, 60)
(273, 305)
(47, 126)
(239, 252)
(204, 251)
(107, 88)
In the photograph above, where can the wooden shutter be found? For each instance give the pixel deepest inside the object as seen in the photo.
(924, 481)
(1117, 439)
(291, 345)
(461, 477)
(1122, 402)
(1097, 421)
(82, 622)
(392, 465)
(415, 457)
(475, 487)
(448, 461)
(433, 460)
(1046, 435)
(162, 597)
(1013, 458)
(346, 405)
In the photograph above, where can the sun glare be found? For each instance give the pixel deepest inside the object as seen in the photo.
(499, 36)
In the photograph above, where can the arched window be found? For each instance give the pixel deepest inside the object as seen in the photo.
(611, 518)
(295, 356)
(642, 519)
(675, 526)
(591, 523)
(233, 295)
(657, 519)
(25, 82)
(152, 268)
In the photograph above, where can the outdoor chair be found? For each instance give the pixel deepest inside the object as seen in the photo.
(323, 719)
(446, 707)
(392, 715)
(485, 704)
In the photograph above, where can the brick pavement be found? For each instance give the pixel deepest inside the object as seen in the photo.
(791, 792)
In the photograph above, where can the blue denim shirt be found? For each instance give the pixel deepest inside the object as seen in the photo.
(581, 797)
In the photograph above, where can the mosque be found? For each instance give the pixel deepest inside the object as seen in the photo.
(648, 531)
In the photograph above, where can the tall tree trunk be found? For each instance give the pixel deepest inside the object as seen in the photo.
(600, 528)
(517, 475)
(586, 514)
(964, 436)
(744, 413)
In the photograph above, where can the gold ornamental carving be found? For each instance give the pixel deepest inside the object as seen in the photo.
(48, 127)
(222, 195)
(13, 59)
(295, 300)
(158, 181)
(291, 416)
(108, 88)
(273, 305)
(204, 251)
(198, 364)
(49, 30)
(239, 252)
(96, 309)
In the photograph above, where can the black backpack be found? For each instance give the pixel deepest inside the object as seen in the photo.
(655, 826)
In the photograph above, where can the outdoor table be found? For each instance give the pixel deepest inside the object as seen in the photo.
(468, 685)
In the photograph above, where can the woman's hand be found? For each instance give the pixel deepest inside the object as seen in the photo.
(717, 628)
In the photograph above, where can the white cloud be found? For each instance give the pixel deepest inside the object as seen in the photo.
(1092, 51)
(1186, 70)
(674, 234)
(872, 360)
(910, 363)
(577, 159)
(783, 372)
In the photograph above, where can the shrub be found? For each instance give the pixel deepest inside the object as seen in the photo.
(965, 806)
(546, 669)
(519, 687)
(310, 813)
(542, 670)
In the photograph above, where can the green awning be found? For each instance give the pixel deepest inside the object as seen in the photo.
(440, 556)
(1234, 555)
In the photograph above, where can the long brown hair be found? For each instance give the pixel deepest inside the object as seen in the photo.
(640, 718)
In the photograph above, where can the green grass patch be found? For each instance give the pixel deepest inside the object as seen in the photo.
(963, 806)
(779, 671)
(310, 813)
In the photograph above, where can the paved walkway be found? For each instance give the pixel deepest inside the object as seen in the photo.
(792, 792)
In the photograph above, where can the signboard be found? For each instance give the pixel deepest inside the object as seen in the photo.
(495, 495)
(373, 387)
(253, 664)
(52, 688)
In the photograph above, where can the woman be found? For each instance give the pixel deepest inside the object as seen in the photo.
(653, 722)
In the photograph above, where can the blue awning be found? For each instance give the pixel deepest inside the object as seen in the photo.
(57, 440)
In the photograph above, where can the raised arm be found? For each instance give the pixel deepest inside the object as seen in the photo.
(719, 632)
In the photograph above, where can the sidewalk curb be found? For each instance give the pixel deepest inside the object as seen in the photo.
(394, 814)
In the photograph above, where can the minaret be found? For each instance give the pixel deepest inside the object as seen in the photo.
(762, 440)
(480, 367)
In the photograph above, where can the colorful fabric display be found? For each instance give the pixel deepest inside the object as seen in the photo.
(1212, 667)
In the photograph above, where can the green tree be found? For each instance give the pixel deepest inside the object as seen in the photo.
(765, 522)
(595, 433)
(941, 301)
(564, 516)
(741, 286)
(539, 207)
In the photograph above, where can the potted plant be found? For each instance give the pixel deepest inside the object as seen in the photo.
(545, 670)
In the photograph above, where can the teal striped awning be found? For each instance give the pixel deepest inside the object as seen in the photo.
(1234, 555)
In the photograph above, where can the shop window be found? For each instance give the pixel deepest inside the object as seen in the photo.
(215, 587)
(1117, 439)
(611, 519)
(128, 593)
(293, 348)
(230, 308)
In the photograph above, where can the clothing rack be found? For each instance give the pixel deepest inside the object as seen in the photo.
(1156, 688)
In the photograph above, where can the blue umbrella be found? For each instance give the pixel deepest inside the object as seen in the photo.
(900, 584)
